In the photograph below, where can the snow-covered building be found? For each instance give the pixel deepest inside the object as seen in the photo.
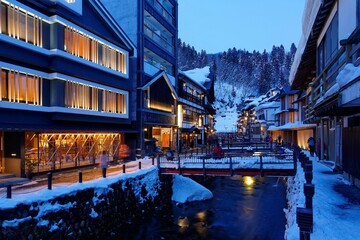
(289, 125)
(195, 113)
(266, 109)
(326, 66)
(258, 114)
(153, 26)
(65, 86)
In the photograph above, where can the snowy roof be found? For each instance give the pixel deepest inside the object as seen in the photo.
(313, 18)
(198, 75)
(294, 125)
(268, 105)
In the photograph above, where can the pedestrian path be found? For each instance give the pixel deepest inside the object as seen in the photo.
(66, 178)
(336, 204)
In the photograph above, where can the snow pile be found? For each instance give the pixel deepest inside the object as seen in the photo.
(296, 198)
(186, 190)
(347, 75)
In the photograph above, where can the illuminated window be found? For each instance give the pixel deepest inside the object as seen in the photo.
(20, 24)
(114, 102)
(84, 46)
(19, 87)
(81, 96)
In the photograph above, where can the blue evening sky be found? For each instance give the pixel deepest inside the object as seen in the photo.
(217, 25)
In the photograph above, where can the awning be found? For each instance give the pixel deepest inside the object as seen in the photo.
(194, 129)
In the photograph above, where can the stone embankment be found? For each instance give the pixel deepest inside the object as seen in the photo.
(89, 212)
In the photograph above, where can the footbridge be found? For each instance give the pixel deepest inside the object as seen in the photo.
(249, 163)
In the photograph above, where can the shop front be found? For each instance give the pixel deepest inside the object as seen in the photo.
(57, 151)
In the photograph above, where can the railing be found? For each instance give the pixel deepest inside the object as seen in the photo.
(159, 40)
(163, 11)
(191, 98)
(327, 78)
(233, 163)
(349, 52)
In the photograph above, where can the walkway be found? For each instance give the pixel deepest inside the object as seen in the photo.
(336, 204)
(66, 178)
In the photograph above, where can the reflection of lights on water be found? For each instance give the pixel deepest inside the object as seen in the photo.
(201, 215)
(183, 222)
(249, 181)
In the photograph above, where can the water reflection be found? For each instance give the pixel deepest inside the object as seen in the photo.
(249, 181)
(242, 208)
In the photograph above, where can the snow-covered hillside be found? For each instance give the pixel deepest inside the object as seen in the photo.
(227, 98)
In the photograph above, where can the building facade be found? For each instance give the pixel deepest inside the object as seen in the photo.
(195, 114)
(328, 70)
(152, 25)
(66, 85)
(289, 127)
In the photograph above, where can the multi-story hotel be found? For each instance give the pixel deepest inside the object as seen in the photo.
(327, 68)
(153, 25)
(66, 85)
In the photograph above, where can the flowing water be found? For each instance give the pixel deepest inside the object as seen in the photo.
(242, 208)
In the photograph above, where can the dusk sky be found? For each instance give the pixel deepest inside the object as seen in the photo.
(216, 26)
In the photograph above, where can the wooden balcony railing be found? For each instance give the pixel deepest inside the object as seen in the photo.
(349, 52)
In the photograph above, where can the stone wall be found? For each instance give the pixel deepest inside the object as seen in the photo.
(94, 212)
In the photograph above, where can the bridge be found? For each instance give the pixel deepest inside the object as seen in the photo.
(233, 163)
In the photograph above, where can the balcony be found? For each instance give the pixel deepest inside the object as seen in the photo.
(348, 53)
(164, 11)
(191, 98)
(159, 40)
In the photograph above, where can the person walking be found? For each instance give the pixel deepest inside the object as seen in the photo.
(104, 162)
(311, 142)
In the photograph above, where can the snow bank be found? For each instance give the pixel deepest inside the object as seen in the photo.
(187, 190)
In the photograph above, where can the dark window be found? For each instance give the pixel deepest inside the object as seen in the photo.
(3, 20)
(331, 39)
(328, 46)
(358, 11)
(354, 121)
(320, 58)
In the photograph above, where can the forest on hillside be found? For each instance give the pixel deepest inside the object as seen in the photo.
(253, 72)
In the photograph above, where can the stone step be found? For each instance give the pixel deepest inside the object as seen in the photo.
(7, 175)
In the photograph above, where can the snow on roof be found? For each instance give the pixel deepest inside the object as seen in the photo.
(199, 75)
(274, 104)
(309, 15)
(294, 125)
(255, 102)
